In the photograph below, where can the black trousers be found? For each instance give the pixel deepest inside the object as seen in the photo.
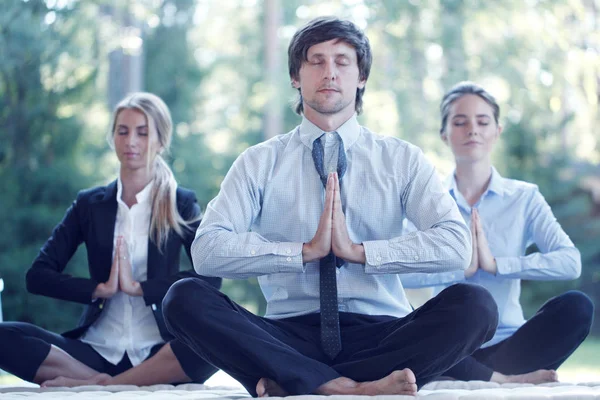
(248, 347)
(23, 348)
(543, 342)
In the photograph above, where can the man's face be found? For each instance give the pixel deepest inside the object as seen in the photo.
(329, 79)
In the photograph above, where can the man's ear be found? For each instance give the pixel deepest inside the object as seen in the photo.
(295, 83)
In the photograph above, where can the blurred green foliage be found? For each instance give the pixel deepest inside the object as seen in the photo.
(206, 59)
(39, 145)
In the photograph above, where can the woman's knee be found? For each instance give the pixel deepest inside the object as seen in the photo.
(6, 333)
(577, 307)
(12, 331)
(16, 337)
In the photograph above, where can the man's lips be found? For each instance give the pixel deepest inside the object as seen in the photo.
(328, 90)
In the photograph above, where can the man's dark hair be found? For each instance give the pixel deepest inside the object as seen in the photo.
(321, 30)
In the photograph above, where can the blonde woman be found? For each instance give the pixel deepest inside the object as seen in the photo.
(133, 230)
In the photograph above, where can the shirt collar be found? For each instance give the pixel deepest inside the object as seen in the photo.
(349, 132)
(142, 196)
(497, 184)
(450, 183)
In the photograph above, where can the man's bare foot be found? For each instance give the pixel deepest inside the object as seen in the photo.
(62, 381)
(269, 388)
(398, 382)
(535, 377)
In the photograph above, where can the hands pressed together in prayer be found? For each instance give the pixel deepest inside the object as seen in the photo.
(121, 276)
(482, 257)
(332, 233)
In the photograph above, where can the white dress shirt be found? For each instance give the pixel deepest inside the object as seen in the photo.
(271, 201)
(127, 324)
(514, 215)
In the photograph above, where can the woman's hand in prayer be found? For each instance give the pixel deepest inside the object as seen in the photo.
(127, 284)
(106, 290)
(487, 262)
(474, 266)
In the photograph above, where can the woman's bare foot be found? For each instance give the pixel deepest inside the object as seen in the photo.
(62, 381)
(535, 377)
(398, 382)
(269, 388)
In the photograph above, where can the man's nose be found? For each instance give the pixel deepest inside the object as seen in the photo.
(330, 70)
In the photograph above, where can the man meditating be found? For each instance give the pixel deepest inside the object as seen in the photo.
(316, 214)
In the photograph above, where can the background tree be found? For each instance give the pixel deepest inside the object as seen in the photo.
(47, 78)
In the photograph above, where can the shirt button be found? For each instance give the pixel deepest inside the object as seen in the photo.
(289, 258)
(253, 252)
(288, 251)
(337, 271)
(416, 258)
(378, 258)
(330, 136)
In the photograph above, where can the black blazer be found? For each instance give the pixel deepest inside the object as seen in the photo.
(91, 220)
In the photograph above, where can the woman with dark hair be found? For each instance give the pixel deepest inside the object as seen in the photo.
(133, 229)
(505, 217)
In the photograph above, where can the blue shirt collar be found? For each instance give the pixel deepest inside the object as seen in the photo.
(497, 184)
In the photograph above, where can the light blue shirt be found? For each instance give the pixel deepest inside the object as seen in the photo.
(272, 198)
(514, 215)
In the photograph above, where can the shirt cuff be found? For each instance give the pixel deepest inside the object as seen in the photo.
(377, 254)
(508, 265)
(291, 257)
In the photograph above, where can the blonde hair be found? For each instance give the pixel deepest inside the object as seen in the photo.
(165, 216)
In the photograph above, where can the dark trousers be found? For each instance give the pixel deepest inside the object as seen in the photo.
(543, 342)
(248, 347)
(24, 347)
